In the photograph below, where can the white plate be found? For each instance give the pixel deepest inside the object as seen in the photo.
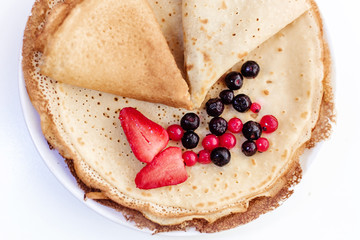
(59, 168)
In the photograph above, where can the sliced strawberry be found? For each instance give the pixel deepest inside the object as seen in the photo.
(145, 137)
(166, 169)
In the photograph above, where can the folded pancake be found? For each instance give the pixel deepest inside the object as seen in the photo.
(112, 46)
(168, 15)
(218, 34)
(83, 125)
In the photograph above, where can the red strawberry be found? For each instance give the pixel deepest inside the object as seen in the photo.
(166, 169)
(145, 137)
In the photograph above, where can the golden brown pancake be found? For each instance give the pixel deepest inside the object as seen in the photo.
(82, 125)
(112, 46)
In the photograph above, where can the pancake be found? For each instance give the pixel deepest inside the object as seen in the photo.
(82, 124)
(218, 34)
(168, 14)
(95, 44)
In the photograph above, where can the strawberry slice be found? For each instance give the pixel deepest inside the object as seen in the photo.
(166, 169)
(145, 137)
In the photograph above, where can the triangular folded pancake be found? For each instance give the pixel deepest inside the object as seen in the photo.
(114, 46)
(219, 33)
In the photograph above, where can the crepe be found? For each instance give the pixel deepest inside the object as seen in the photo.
(82, 124)
(115, 47)
(218, 34)
(168, 14)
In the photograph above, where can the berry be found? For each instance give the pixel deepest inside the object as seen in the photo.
(145, 137)
(227, 140)
(190, 140)
(166, 169)
(204, 157)
(252, 130)
(190, 158)
(190, 121)
(218, 126)
(234, 80)
(250, 69)
(220, 156)
(210, 142)
(227, 97)
(255, 108)
(242, 103)
(262, 144)
(249, 148)
(269, 123)
(235, 125)
(214, 107)
(175, 132)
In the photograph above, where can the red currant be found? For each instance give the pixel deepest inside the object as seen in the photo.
(204, 157)
(210, 142)
(255, 107)
(190, 158)
(175, 132)
(227, 140)
(269, 123)
(235, 125)
(262, 144)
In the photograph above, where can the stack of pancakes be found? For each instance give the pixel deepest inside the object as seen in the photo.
(84, 60)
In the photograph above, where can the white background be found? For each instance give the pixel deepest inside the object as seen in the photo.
(325, 205)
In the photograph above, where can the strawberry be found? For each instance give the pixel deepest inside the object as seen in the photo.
(166, 169)
(145, 137)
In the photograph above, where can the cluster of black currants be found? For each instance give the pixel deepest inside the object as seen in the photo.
(241, 102)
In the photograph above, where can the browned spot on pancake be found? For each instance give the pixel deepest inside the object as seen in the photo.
(223, 5)
(242, 55)
(248, 173)
(253, 162)
(200, 205)
(221, 43)
(72, 129)
(186, 14)
(194, 187)
(271, 73)
(206, 57)
(273, 169)
(163, 20)
(203, 29)
(304, 115)
(297, 99)
(204, 21)
(266, 92)
(211, 203)
(128, 189)
(268, 81)
(146, 194)
(252, 189)
(80, 141)
(280, 49)
(226, 186)
(284, 154)
(206, 190)
(189, 67)
(254, 115)
(308, 93)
